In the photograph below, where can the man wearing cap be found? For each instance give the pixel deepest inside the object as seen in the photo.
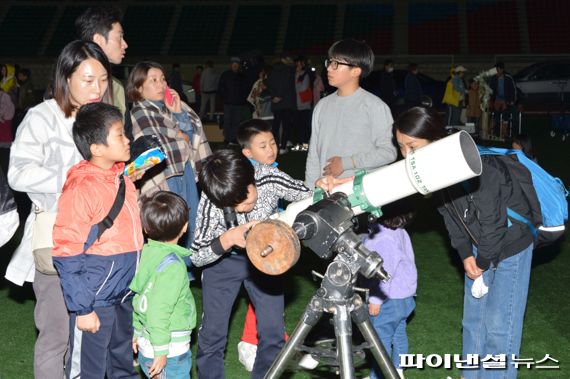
(454, 95)
(231, 89)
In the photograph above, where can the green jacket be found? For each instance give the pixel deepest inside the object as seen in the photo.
(163, 307)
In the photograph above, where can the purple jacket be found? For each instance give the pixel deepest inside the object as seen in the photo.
(395, 247)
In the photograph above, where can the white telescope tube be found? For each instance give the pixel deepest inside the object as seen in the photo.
(440, 164)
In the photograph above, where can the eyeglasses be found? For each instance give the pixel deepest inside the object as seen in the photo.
(334, 64)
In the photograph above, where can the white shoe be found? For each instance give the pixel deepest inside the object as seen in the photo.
(289, 144)
(283, 151)
(308, 362)
(305, 147)
(246, 354)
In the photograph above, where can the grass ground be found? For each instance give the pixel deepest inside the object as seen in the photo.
(435, 327)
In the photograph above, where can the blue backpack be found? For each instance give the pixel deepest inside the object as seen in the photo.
(545, 194)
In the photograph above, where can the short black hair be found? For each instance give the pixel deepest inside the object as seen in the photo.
(500, 65)
(97, 20)
(397, 214)
(92, 124)
(249, 129)
(412, 66)
(225, 177)
(354, 52)
(163, 215)
(524, 141)
(388, 62)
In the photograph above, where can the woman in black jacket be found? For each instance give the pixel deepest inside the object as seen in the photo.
(496, 251)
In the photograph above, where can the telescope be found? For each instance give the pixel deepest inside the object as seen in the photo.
(325, 224)
(273, 246)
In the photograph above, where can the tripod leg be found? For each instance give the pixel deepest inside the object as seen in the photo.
(311, 316)
(362, 321)
(343, 332)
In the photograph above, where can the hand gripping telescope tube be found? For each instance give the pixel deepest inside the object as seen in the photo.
(438, 165)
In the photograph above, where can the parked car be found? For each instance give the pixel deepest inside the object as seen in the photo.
(544, 83)
(432, 88)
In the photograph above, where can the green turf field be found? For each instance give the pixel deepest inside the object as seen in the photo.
(435, 327)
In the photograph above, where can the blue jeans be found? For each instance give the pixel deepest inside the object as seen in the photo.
(493, 324)
(185, 187)
(176, 367)
(390, 325)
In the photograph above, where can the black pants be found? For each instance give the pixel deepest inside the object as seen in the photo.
(303, 125)
(283, 118)
(232, 118)
(109, 351)
(221, 283)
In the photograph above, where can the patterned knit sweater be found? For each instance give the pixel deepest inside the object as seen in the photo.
(272, 185)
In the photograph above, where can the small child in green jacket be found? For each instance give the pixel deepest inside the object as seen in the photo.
(164, 312)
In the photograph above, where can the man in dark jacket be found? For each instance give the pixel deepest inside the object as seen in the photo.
(412, 87)
(281, 85)
(231, 89)
(388, 85)
(503, 98)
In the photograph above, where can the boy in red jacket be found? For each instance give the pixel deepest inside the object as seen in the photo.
(96, 269)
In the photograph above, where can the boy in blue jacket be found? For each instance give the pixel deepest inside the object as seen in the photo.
(95, 269)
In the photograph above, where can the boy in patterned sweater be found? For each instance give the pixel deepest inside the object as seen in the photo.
(232, 185)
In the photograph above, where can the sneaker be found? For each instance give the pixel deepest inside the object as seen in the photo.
(297, 147)
(308, 362)
(305, 147)
(289, 144)
(246, 354)
(283, 151)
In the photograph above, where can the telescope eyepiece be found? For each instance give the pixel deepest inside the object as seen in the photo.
(230, 217)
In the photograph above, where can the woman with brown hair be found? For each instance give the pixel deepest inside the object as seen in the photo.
(40, 157)
(157, 110)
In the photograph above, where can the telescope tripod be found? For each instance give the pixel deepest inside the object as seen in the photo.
(336, 296)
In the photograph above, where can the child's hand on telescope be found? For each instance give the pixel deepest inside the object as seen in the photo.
(327, 183)
(373, 309)
(236, 236)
